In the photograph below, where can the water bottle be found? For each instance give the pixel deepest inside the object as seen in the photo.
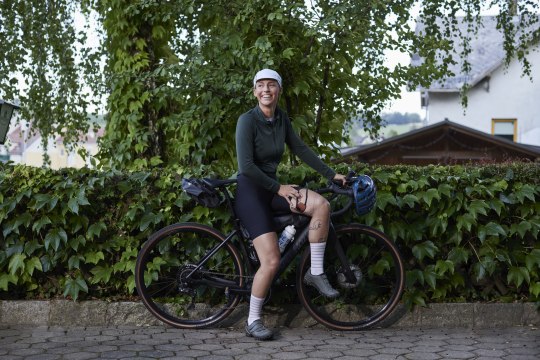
(286, 236)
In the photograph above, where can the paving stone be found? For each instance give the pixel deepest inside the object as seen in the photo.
(457, 354)
(25, 352)
(315, 343)
(81, 355)
(289, 356)
(118, 354)
(157, 354)
(325, 354)
(422, 356)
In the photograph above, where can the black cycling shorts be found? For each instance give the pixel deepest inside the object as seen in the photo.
(255, 207)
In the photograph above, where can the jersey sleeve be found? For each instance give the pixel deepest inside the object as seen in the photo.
(300, 149)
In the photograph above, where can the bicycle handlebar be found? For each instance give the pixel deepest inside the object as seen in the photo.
(334, 187)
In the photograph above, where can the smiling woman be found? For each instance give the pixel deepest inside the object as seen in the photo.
(261, 135)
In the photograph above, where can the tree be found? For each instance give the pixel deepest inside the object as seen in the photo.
(178, 73)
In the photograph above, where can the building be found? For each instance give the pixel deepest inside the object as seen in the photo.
(443, 142)
(501, 100)
(25, 148)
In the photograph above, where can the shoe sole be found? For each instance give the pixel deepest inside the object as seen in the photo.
(263, 338)
(307, 282)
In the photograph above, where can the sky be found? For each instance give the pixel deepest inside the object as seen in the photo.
(410, 101)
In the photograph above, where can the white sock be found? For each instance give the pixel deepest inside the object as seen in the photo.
(255, 308)
(317, 257)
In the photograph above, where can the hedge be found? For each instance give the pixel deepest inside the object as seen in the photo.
(467, 233)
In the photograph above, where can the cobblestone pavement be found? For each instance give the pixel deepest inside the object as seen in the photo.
(159, 342)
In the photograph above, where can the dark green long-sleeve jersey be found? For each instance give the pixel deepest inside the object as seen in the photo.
(260, 145)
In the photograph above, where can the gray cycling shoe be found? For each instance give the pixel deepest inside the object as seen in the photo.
(259, 331)
(320, 282)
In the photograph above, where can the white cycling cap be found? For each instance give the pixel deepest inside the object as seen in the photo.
(267, 74)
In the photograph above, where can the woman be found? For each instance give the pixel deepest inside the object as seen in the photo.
(261, 134)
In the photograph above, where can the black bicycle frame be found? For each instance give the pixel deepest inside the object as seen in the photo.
(288, 256)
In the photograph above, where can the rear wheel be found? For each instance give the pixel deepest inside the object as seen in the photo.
(175, 289)
(369, 291)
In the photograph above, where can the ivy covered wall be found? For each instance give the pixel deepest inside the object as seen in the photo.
(467, 233)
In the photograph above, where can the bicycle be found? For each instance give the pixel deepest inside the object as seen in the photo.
(190, 275)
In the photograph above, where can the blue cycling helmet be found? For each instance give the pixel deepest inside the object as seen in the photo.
(365, 194)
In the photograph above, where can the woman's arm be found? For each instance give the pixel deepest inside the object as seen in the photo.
(300, 149)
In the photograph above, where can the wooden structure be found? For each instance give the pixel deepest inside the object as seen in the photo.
(444, 142)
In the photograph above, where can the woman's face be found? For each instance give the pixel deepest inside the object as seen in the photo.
(267, 92)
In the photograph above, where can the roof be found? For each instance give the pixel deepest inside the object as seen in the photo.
(429, 138)
(12, 104)
(487, 52)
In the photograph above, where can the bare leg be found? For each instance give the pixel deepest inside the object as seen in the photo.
(268, 252)
(319, 209)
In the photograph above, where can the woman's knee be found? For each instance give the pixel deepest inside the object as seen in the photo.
(321, 205)
(270, 263)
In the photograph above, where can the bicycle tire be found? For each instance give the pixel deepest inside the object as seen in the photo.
(160, 276)
(378, 268)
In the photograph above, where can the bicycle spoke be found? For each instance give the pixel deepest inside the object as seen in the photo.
(176, 290)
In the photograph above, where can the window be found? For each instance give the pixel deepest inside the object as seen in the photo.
(505, 128)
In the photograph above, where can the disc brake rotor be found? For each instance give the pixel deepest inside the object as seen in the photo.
(342, 278)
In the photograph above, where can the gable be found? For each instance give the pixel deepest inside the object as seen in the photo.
(442, 143)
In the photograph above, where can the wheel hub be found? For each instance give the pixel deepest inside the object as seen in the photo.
(183, 280)
(342, 278)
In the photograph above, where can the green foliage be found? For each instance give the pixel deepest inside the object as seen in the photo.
(76, 233)
(466, 233)
(177, 74)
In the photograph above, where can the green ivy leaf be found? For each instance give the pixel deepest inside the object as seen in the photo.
(458, 255)
(477, 207)
(443, 266)
(532, 259)
(94, 257)
(526, 191)
(427, 248)
(534, 288)
(74, 262)
(40, 223)
(16, 263)
(465, 221)
(101, 274)
(6, 279)
(430, 277)
(523, 227)
(54, 237)
(518, 274)
(33, 264)
(72, 287)
(384, 198)
(73, 205)
(429, 195)
(496, 205)
(410, 200)
(95, 230)
(445, 189)
(414, 276)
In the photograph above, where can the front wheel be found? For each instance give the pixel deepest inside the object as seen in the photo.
(367, 270)
(178, 286)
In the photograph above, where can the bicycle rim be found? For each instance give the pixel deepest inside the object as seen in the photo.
(169, 284)
(369, 296)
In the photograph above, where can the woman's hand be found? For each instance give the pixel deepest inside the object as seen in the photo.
(290, 193)
(341, 178)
